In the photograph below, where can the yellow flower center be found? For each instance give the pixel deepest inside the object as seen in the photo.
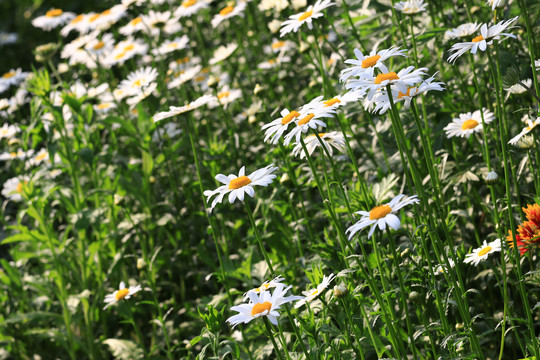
(122, 293)
(94, 17)
(379, 212)
(262, 287)
(388, 76)
(104, 106)
(19, 187)
(370, 61)
(77, 19)
(54, 13)
(99, 45)
(129, 47)
(407, 93)
(135, 21)
(478, 38)
(106, 12)
(9, 75)
(239, 182)
(272, 62)
(331, 102)
(226, 10)
(306, 119)
(41, 156)
(189, 3)
(278, 44)
(172, 45)
(223, 94)
(137, 82)
(261, 307)
(484, 251)
(469, 124)
(13, 154)
(119, 56)
(305, 15)
(289, 117)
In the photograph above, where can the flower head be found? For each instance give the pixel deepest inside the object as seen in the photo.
(483, 252)
(469, 123)
(265, 286)
(229, 11)
(382, 215)
(312, 12)
(310, 295)
(120, 294)
(262, 304)
(52, 19)
(486, 37)
(527, 129)
(176, 110)
(238, 186)
(411, 7)
(366, 64)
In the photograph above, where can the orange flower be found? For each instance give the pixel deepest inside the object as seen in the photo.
(528, 233)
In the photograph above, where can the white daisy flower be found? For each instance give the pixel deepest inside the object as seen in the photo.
(263, 304)
(279, 46)
(14, 187)
(382, 215)
(411, 7)
(160, 22)
(486, 37)
(79, 23)
(176, 110)
(341, 100)
(52, 18)
(400, 81)
(310, 118)
(110, 16)
(366, 64)
(272, 63)
(312, 12)
(104, 107)
(495, 3)
(530, 126)
(483, 252)
(41, 156)
(238, 186)
(169, 46)
(125, 50)
(226, 96)
(518, 88)
(464, 30)
(265, 286)
(468, 123)
(12, 77)
(133, 26)
(441, 269)
(190, 7)
(19, 154)
(184, 76)
(310, 295)
(223, 52)
(139, 79)
(277, 127)
(229, 12)
(122, 293)
(334, 139)
(8, 131)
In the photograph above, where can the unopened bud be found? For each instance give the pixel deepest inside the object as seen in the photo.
(491, 178)
(340, 290)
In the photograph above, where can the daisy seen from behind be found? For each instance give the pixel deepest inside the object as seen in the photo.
(296, 21)
(486, 37)
(333, 139)
(238, 186)
(469, 123)
(120, 294)
(382, 215)
(176, 110)
(310, 295)
(483, 252)
(262, 304)
(411, 7)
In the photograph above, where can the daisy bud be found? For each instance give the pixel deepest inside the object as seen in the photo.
(45, 51)
(405, 252)
(258, 89)
(491, 178)
(460, 326)
(414, 297)
(274, 26)
(525, 143)
(140, 263)
(340, 290)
